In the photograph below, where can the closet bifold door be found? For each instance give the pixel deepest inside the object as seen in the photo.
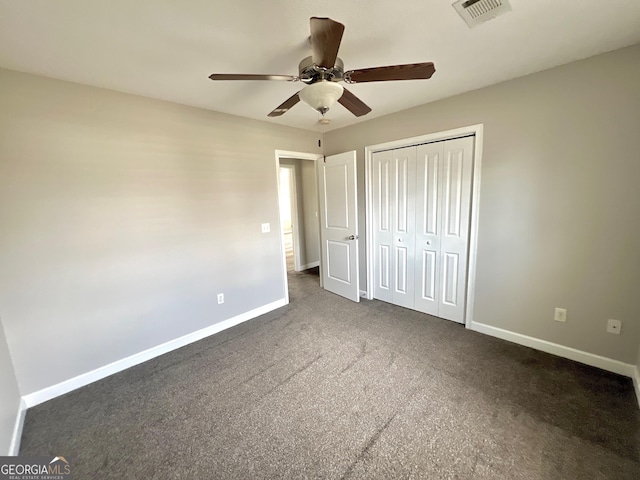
(404, 232)
(443, 196)
(394, 173)
(428, 180)
(382, 225)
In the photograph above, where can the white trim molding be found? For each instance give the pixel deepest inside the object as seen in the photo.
(608, 364)
(478, 132)
(14, 446)
(66, 386)
(636, 383)
(309, 265)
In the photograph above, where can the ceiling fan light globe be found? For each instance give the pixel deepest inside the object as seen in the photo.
(321, 96)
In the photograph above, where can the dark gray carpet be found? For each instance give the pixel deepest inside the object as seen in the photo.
(326, 388)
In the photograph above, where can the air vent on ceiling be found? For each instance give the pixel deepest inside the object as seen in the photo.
(475, 12)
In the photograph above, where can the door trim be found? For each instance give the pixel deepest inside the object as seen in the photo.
(283, 155)
(476, 130)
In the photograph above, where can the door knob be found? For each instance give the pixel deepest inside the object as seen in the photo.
(428, 242)
(400, 240)
(352, 237)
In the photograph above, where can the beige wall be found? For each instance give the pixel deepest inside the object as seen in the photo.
(560, 197)
(121, 219)
(311, 220)
(9, 395)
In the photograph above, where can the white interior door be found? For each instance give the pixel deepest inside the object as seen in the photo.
(404, 237)
(383, 208)
(443, 197)
(455, 213)
(394, 173)
(429, 160)
(421, 210)
(339, 225)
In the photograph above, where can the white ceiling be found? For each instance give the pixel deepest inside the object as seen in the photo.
(167, 48)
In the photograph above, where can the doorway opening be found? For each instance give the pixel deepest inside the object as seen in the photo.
(299, 216)
(289, 211)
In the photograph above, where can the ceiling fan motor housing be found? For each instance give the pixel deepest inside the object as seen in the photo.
(311, 73)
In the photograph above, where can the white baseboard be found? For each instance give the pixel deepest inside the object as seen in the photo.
(587, 358)
(14, 446)
(66, 386)
(636, 383)
(309, 265)
(363, 294)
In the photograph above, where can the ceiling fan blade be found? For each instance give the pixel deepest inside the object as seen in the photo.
(352, 103)
(326, 35)
(250, 76)
(410, 71)
(285, 106)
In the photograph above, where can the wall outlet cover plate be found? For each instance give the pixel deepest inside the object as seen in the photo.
(560, 315)
(614, 326)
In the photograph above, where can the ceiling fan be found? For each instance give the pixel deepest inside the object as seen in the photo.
(323, 69)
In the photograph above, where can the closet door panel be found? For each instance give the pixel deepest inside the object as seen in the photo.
(452, 213)
(383, 208)
(451, 283)
(455, 210)
(427, 274)
(404, 161)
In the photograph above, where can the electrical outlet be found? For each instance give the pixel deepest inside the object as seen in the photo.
(266, 228)
(614, 326)
(560, 315)
(220, 298)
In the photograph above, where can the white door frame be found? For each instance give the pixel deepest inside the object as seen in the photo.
(282, 155)
(478, 131)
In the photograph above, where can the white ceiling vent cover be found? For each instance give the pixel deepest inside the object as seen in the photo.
(475, 12)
